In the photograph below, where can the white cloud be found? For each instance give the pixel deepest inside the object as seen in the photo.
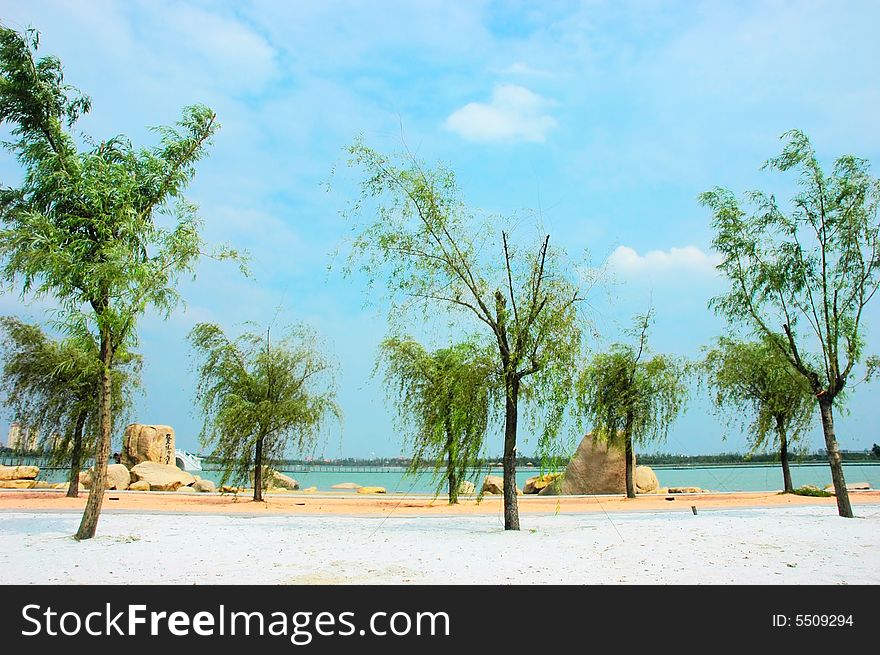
(519, 68)
(513, 114)
(689, 260)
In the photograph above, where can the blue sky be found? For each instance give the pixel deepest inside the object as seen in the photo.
(607, 117)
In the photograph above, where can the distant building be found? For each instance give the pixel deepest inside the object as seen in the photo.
(26, 440)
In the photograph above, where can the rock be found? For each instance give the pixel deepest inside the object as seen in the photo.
(41, 484)
(851, 486)
(597, 467)
(118, 477)
(466, 487)
(147, 443)
(229, 489)
(204, 486)
(281, 481)
(535, 484)
(19, 472)
(686, 490)
(186, 490)
(140, 485)
(310, 490)
(346, 485)
(162, 477)
(60, 485)
(85, 479)
(493, 484)
(645, 480)
(18, 484)
(371, 490)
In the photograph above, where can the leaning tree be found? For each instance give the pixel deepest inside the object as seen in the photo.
(755, 379)
(433, 253)
(625, 395)
(51, 387)
(801, 275)
(259, 398)
(85, 226)
(444, 400)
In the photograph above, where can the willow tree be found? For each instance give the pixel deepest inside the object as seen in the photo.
(84, 226)
(444, 402)
(755, 379)
(434, 254)
(802, 275)
(51, 387)
(260, 398)
(625, 395)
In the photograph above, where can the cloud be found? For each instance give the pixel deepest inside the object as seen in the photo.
(513, 114)
(690, 261)
(519, 68)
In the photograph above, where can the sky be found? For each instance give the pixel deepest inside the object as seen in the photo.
(607, 119)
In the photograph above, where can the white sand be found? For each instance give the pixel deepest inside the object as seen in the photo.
(803, 545)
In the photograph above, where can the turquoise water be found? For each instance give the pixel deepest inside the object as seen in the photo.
(752, 477)
(726, 478)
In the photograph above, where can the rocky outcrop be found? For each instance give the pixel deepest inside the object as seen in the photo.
(346, 485)
(645, 480)
(19, 472)
(597, 467)
(147, 443)
(140, 485)
(371, 490)
(161, 477)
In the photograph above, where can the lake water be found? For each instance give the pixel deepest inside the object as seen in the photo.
(737, 477)
(715, 478)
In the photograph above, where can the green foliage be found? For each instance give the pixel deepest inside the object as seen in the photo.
(756, 386)
(802, 276)
(811, 491)
(250, 389)
(622, 392)
(444, 401)
(48, 385)
(431, 252)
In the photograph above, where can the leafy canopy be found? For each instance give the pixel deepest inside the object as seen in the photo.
(250, 388)
(802, 275)
(754, 379)
(444, 401)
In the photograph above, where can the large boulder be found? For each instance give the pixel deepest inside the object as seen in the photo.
(645, 480)
(204, 486)
(597, 467)
(118, 477)
(140, 485)
(18, 484)
(162, 477)
(535, 484)
(275, 480)
(147, 443)
(19, 472)
(493, 484)
(466, 487)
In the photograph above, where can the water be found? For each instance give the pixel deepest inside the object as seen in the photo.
(737, 477)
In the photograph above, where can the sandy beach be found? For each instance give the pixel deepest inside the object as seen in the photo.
(755, 538)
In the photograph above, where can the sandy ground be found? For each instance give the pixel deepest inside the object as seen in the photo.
(353, 540)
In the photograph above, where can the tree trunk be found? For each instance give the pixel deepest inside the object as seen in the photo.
(76, 456)
(783, 455)
(628, 454)
(258, 472)
(89, 523)
(843, 506)
(511, 511)
(450, 467)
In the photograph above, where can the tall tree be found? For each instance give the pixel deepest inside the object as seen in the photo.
(83, 226)
(261, 397)
(624, 395)
(802, 275)
(434, 253)
(444, 400)
(755, 379)
(51, 387)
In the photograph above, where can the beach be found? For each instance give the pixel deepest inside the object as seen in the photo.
(179, 538)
